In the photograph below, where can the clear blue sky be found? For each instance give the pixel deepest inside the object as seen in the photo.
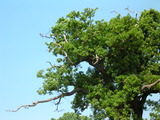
(23, 51)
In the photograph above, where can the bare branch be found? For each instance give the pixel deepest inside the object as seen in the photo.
(45, 36)
(115, 12)
(51, 99)
(58, 101)
(54, 66)
(131, 11)
(65, 38)
(150, 85)
(136, 12)
(97, 59)
(50, 37)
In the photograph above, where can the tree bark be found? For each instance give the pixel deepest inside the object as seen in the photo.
(138, 105)
(138, 111)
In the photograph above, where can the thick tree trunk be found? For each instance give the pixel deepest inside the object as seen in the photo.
(138, 112)
(137, 105)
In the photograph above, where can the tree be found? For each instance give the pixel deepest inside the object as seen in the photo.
(72, 116)
(123, 63)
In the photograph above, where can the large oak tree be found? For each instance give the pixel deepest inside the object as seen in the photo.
(123, 57)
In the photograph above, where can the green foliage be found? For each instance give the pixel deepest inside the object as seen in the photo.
(72, 116)
(123, 55)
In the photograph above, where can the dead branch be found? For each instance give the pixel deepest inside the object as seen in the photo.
(45, 36)
(65, 38)
(131, 10)
(150, 85)
(114, 12)
(50, 37)
(51, 99)
(97, 59)
(136, 12)
(54, 66)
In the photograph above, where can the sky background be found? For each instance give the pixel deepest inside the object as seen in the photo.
(23, 51)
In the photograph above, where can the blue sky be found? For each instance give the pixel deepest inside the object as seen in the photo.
(23, 51)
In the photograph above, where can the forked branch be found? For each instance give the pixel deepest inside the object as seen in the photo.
(150, 85)
(51, 99)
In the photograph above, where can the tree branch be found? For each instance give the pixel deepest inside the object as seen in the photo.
(114, 12)
(46, 36)
(54, 66)
(97, 59)
(64, 52)
(136, 12)
(131, 11)
(51, 99)
(150, 85)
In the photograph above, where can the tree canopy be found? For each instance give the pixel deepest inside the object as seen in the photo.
(123, 57)
(72, 116)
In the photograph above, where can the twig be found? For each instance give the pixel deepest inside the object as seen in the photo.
(115, 12)
(46, 36)
(54, 66)
(58, 101)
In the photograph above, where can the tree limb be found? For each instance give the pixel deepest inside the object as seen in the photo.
(131, 10)
(46, 36)
(51, 99)
(136, 12)
(97, 59)
(150, 85)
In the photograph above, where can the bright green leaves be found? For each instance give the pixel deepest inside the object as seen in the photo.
(131, 84)
(149, 23)
(57, 78)
(125, 43)
(152, 14)
(79, 35)
(115, 103)
(72, 116)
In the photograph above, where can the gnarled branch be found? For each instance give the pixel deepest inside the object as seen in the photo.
(150, 85)
(51, 99)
